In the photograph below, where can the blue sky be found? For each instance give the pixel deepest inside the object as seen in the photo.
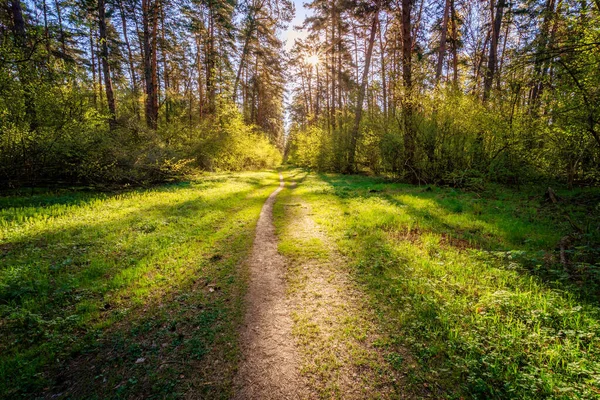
(290, 33)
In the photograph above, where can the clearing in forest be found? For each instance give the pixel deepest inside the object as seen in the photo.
(461, 293)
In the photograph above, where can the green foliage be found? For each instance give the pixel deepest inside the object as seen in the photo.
(459, 142)
(74, 144)
(230, 144)
(313, 148)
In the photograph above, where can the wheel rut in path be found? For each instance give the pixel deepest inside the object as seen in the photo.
(269, 368)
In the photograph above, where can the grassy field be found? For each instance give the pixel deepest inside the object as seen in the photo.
(470, 283)
(135, 294)
(429, 292)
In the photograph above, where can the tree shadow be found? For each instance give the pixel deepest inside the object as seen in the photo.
(81, 303)
(513, 233)
(455, 299)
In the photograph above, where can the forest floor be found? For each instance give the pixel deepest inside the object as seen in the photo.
(339, 287)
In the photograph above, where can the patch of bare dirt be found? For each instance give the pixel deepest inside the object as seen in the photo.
(269, 368)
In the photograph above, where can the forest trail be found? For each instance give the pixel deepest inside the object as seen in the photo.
(334, 327)
(307, 332)
(269, 368)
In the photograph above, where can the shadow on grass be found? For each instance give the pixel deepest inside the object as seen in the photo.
(129, 304)
(480, 325)
(516, 230)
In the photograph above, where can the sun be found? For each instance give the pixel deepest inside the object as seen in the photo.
(312, 59)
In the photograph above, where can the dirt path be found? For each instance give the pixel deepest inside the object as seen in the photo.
(344, 352)
(269, 368)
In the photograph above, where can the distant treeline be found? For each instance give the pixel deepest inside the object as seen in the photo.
(450, 91)
(138, 90)
(457, 91)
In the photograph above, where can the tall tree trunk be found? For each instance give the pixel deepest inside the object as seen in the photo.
(93, 55)
(18, 23)
(99, 69)
(545, 37)
(250, 28)
(140, 41)
(339, 61)
(23, 69)
(383, 77)
(491, 68)
(166, 79)
(200, 74)
(317, 94)
(211, 89)
(334, 81)
(110, 97)
(481, 59)
(46, 33)
(149, 21)
(502, 53)
(311, 105)
(407, 43)
(129, 51)
(442, 50)
(454, 45)
(361, 96)
(63, 45)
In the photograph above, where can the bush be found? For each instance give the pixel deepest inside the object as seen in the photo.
(73, 144)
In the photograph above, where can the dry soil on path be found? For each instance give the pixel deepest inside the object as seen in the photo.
(308, 330)
(269, 368)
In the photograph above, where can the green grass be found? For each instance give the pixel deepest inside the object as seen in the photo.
(131, 294)
(139, 294)
(470, 283)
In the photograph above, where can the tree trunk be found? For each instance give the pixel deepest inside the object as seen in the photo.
(200, 83)
(481, 60)
(93, 55)
(442, 50)
(211, 89)
(539, 70)
(409, 143)
(18, 23)
(350, 167)
(334, 81)
(46, 33)
(250, 29)
(166, 78)
(149, 17)
(110, 97)
(60, 27)
(23, 69)
(454, 45)
(129, 51)
(383, 77)
(491, 68)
